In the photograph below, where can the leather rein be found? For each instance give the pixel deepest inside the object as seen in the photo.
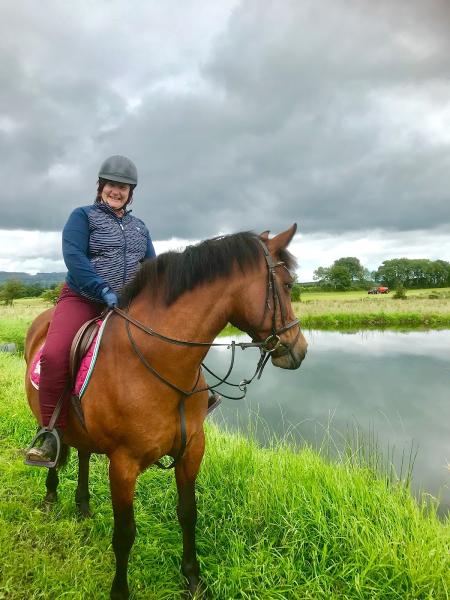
(267, 347)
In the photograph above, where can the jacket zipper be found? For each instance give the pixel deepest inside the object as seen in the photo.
(124, 251)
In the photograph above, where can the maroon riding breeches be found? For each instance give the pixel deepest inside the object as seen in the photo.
(71, 311)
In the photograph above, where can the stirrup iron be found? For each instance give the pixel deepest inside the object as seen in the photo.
(40, 463)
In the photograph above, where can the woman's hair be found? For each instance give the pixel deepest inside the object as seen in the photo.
(101, 184)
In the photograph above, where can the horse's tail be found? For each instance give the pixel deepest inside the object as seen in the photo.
(63, 456)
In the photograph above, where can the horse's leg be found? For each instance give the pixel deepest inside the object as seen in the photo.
(122, 477)
(82, 492)
(186, 472)
(51, 483)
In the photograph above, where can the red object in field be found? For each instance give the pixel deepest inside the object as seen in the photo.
(383, 290)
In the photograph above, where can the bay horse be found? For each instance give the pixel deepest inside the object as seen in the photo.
(132, 412)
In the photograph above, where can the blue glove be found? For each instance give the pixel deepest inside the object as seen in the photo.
(109, 297)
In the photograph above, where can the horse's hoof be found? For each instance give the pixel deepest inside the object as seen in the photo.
(84, 511)
(195, 591)
(51, 497)
(49, 501)
(47, 507)
(119, 592)
(120, 595)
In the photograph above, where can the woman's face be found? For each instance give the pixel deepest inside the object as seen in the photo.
(115, 194)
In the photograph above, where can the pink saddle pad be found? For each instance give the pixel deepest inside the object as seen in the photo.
(35, 371)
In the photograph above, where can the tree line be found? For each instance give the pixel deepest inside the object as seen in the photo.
(14, 289)
(344, 274)
(348, 273)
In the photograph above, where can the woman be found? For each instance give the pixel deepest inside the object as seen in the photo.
(103, 245)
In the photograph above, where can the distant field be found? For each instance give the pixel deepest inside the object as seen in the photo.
(334, 310)
(361, 294)
(15, 320)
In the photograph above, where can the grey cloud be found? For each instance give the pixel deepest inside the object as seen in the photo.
(283, 116)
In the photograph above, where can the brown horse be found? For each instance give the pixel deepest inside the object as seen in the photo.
(131, 414)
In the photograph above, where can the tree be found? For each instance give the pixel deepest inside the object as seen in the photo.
(414, 273)
(353, 267)
(322, 275)
(342, 275)
(10, 290)
(52, 294)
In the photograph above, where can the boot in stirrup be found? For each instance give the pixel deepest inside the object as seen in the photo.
(45, 447)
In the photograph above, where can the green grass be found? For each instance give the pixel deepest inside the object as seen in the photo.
(359, 294)
(15, 320)
(274, 523)
(357, 309)
(376, 320)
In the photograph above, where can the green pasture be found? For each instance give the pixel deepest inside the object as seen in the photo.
(443, 293)
(15, 320)
(274, 523)
(428, 308)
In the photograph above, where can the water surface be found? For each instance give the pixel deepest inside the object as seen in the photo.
(390, 385)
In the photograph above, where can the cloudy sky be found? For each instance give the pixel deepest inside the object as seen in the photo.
(240, 114)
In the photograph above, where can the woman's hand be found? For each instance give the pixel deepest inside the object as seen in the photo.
(109, 297)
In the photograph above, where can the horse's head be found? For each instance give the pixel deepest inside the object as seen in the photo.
(264, 304)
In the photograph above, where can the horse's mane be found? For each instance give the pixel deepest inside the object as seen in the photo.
(173, 273)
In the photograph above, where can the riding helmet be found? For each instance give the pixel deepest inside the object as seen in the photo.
(119, 168)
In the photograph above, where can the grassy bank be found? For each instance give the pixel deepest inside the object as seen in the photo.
(273, 524)
(351, 310)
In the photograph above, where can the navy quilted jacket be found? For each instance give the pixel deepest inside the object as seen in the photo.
(102, 250)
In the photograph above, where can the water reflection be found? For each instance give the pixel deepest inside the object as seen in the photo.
(393, 384)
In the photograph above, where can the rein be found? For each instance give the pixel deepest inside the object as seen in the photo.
(267, 347)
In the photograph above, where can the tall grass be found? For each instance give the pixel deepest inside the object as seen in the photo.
(274, 523)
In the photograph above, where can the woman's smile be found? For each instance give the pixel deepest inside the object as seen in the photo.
(115, 195)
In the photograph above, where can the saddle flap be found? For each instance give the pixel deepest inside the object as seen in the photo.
(81, 343)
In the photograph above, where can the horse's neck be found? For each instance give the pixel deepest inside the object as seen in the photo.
(198, 315)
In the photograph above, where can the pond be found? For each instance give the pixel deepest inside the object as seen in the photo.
(393, 387)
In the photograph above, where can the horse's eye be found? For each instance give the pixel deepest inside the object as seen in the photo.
(289, 285)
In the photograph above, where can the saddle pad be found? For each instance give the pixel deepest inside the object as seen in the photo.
(86, 366)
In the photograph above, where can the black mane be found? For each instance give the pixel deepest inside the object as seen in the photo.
(179, 272)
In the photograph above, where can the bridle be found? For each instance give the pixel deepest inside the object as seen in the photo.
(273, 342)
(267, 347)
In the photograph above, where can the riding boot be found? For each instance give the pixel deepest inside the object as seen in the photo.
(45, 451)
(214, 399)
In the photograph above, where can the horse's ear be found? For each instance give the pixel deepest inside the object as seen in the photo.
(265, 235)
(282, 240)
